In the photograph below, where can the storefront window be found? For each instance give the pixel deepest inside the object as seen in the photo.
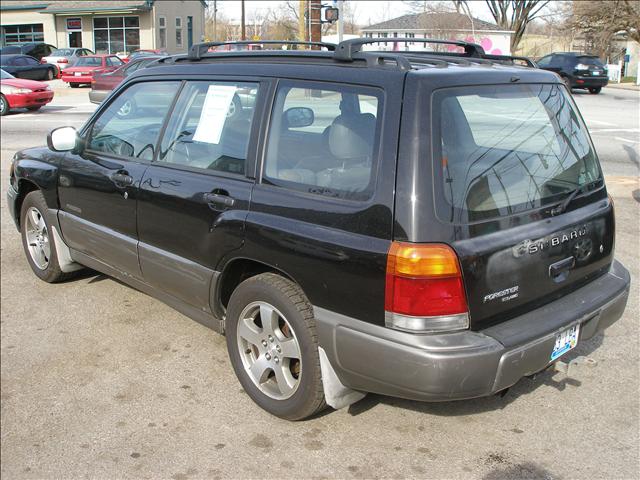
(13, 34)
(178, 32)
(116, 34)
(162, 30)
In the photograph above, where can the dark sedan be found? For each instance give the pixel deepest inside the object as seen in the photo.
(24, 66)
(36, 50)
(104, 83)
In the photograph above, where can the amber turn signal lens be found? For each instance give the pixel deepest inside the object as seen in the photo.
(422, 260)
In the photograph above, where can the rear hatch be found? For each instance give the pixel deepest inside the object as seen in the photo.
(517, 180)
(589, 66)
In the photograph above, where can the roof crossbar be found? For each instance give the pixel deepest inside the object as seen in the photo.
(197, 50)
(347, 48)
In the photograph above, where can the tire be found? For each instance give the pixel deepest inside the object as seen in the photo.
(50, 74)
(37, 237)
(283, 385)
(595, 90)
(4, 106)
(567, 83)
(34, 109)
(235, 107)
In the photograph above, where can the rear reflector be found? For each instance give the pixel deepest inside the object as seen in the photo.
(424, 290)
(63, 60)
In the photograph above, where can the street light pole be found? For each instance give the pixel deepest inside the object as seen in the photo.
(243, 31)
(215, 20)
(340, 20)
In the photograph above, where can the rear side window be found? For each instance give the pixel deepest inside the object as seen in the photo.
(210, 127)
(506, 149)
(323, 140)
(62, 52)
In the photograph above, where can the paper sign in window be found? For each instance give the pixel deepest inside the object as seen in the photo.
(214, 113)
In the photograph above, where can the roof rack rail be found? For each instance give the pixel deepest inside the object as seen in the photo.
(347, 48)
(510, 58)
(197, 50)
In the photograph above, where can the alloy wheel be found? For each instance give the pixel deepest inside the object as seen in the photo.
(37, 238)
(269, 350)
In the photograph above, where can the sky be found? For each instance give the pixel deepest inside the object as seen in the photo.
(367, 11)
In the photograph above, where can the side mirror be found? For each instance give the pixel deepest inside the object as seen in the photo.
(298, 117)
(62, 139)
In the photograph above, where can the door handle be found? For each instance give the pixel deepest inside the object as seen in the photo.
(218, 199)
(122, 178)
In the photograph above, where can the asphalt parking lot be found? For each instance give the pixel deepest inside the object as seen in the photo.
(101, 381)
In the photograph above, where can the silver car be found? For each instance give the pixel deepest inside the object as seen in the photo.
(66, 57)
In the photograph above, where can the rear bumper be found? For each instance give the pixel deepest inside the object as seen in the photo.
(589, 82)
(468, 364)
(98, 96)
(73, 79)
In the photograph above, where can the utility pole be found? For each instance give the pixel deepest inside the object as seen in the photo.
(243, 33)
(215, 20)
(340, 20)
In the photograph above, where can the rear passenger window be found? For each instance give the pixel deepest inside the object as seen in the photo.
(323, 140)
(210, 127)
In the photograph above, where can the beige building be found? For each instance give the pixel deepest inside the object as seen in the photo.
(118, 26)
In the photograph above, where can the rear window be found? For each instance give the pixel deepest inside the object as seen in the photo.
(506, 149)
(595, 61)
(62, 52)
(89, 62)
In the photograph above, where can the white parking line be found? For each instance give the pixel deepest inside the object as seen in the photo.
(601, 122)
(603, 130)
(626, 140)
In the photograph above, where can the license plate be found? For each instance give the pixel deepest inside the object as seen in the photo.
(596, 72)
(565, 341)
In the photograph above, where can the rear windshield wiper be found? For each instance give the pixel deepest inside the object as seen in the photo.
(562, 206)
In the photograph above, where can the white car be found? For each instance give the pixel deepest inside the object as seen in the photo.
(65, 57)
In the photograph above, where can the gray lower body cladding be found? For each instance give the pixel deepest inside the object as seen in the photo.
(466, 364)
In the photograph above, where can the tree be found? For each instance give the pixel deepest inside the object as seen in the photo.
(600, 21)
(515, 15)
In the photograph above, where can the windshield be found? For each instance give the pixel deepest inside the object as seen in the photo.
(62, 52)
(89, 62)
(5, 76)
(506, 149)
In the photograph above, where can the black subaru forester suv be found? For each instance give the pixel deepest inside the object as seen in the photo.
(423, 225)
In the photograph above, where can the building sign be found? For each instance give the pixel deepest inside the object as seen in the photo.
(74, 24)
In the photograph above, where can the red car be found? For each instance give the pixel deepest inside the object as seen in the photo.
(22, 93)
(84, 69)
(103, 83)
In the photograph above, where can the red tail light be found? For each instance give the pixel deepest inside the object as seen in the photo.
(424, 289)
(63, 60)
